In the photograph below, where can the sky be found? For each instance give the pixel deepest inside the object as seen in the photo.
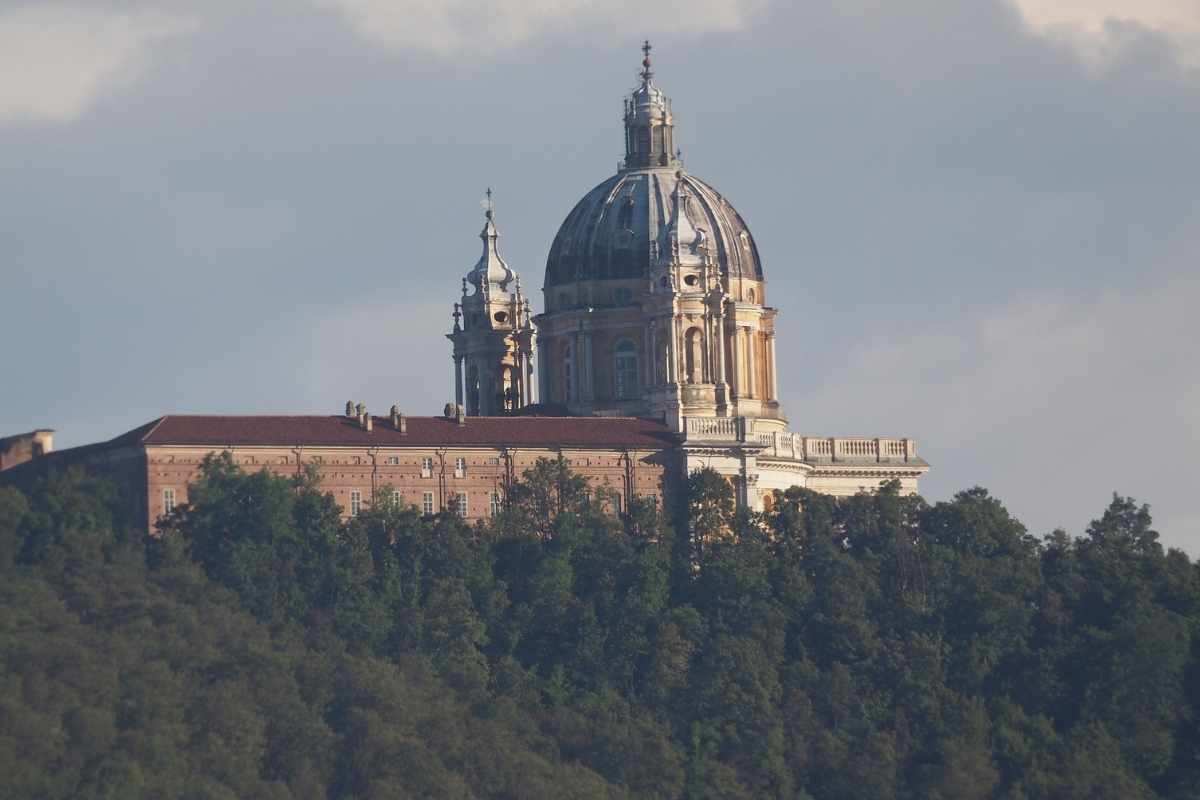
(978, 218)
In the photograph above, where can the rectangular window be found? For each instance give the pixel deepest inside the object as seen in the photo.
(495, 503)
(426, 467)
(494, 461)
(427, 503)
(397, 498)
(460, 503)
(355, 502)
(393, 461)
(168, 500)
(460, 467)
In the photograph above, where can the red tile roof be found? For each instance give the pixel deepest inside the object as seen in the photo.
(246, 431)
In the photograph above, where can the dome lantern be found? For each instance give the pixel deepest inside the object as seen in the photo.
(649, 126)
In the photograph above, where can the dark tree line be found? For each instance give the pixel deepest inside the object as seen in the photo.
(865, 647)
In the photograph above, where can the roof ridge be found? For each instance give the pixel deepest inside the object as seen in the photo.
(142, 439)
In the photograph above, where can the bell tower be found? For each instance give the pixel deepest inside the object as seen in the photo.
(493, 335)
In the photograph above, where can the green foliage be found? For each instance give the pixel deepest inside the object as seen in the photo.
(863, 647)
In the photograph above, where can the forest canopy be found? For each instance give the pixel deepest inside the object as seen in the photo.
(873, 646)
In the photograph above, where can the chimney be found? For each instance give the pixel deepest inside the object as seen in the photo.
(460, 416)
(399, 421)
(349, 408)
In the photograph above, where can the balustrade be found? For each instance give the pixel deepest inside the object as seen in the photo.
(792, 445)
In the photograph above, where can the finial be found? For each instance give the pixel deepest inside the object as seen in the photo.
(491, 206)
(646, 73)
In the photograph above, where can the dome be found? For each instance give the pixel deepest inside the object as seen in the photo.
(616, 230)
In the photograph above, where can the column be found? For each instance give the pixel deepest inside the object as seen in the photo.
(458, 380)
(651, 355)
(720, 344)
(771, 365)
(677, 336)
(576, 367)
(585, 368)
(543, 376)
(523, 367)
(672, 352)
(735, 354)
(751, 370)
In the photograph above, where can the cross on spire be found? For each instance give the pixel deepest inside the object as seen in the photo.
(491, 205)
(646, 73)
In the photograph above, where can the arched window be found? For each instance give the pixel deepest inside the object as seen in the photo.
(751, 296)
(625, 370)
(694, 356)
(568, 363)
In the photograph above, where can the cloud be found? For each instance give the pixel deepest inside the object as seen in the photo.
(1051, 401)
(482, 27)
(56, 60)
(1101, 30)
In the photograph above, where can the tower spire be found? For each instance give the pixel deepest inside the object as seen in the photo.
(493, 345)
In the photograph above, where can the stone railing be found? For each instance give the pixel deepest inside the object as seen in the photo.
(802, 448)
(850, 448)
(716, 429)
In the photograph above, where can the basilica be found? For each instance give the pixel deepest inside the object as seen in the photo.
(654, 355)
(655, 306)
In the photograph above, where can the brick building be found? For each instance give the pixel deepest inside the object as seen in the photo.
(434, 464)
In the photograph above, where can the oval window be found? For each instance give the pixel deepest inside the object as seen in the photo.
(691, 280)
(500, 316)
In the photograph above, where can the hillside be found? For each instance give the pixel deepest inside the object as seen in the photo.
(867, 647)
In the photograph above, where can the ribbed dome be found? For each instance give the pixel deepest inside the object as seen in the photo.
(621, 225)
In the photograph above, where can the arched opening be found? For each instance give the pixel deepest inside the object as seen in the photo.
(472, 390)
(625, 370)
(694, 356)
(508, 392)
(751, 296)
